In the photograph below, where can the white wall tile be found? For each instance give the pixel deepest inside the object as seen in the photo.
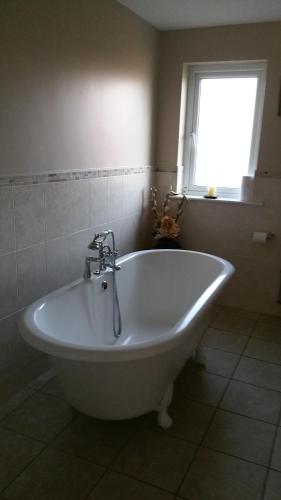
(77, 246)
(67, 208)
(67, 215)
(127, 233)
(98, 201)
(32, 277)
(8, 284)
(131, 234)
(58, 273)
(254, 286)
(29, 215)
(80, 206)
(148, 180)
(115, 197)
(58, 213)
(14, 351)
(226, 230)
(133, 194)
(7, 224)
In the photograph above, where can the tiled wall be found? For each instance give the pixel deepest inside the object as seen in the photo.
(226, 230)
(44, 233)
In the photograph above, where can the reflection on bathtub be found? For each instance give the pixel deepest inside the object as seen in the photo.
(164, 296)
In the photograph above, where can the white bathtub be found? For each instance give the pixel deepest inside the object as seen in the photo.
(164, 295)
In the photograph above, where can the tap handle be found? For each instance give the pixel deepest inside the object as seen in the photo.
(94, 245)
(100, 237)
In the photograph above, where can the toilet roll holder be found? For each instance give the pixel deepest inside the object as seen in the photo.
(262, 237)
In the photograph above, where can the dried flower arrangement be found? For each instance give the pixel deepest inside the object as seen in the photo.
(165, 224)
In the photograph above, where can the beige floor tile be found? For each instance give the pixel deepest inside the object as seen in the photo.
(54, 388)
(267, 318)
(241, 436)
(218, 362)
(155, 458)
(215, 476)
(40, 417)
(190, 419)
(96, 440)
(252, 401)
(114, 486)
(18, 379)
(276, 458)
(56, 476)
(241, 313)
(266, 351)
(201, 386)
(259, 373)
(16, 452)
(268, 332)
(234, 321)
(224, 340)
(273, 486)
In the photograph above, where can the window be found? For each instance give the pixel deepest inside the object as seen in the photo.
(223, 114)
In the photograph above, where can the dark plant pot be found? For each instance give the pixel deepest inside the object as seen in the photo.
(166, 243)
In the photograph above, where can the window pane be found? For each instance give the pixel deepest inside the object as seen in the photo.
(224, 133)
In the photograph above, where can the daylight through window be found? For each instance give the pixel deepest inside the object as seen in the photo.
(223, 120)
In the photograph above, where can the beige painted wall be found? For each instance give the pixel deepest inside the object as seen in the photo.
(255, 41)
(226, 229)
(77, 83)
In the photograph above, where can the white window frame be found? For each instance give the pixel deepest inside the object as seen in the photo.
(193, 73)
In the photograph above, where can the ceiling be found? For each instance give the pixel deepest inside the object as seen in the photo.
(180, 14)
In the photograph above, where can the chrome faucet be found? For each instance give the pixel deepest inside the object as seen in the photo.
(106, 256)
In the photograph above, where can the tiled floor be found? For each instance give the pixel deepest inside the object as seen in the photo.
(225, 443)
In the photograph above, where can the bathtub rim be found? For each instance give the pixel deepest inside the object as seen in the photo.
(37, 338)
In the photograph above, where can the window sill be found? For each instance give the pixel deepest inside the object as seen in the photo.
(232, 201)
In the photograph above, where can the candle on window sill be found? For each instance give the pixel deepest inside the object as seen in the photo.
(212, 191)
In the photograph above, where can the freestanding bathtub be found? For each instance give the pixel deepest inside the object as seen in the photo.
(164, 296)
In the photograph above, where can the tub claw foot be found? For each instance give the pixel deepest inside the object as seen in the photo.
(164, 420)
(194, 361)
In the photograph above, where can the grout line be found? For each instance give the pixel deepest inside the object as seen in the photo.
(263, 360)
(119, 451)
(7, 316)
(240, 380)
(214, 408)
(242, 355)
(255, 385)
(45, 447)
(243, 459)
(14, 218)
(19, 433)
(15, 249)
(217, 407)
(45, 232)
(109, 469)
(142, 481)
(246, 416)
(203, 346)
(271, 456)
(21, 396)
(24, 469)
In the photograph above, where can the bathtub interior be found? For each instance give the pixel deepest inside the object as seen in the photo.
(155, 290)
(160, 287)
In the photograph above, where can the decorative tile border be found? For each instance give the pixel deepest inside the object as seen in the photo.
(270, 174)
(170, 171)
(76, 175)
